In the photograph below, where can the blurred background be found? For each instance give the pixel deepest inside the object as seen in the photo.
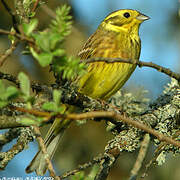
(160, 38)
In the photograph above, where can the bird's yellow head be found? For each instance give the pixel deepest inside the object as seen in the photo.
(124, 19)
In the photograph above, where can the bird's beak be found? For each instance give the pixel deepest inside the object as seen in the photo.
(142, 17)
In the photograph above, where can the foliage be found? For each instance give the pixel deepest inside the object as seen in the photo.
(10, 93)
(55, 105)
(7, 94)
(50, 44)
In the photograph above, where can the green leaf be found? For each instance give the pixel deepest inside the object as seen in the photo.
(56, 96)
(27, 121)
(62, 108)
(44, 59)
(31, 120)
(59, 52)
(54, 39)
(32, 14)
(24, 84)
(78, 176)
(50, 106)
(30, 27)
(7, 94)
(69, 66)
(43, 40)
(3, 104)
(11, 93)
(62, 23)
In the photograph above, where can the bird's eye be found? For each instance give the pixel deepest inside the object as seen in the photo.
(126, 15)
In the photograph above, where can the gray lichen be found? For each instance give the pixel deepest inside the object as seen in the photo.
(162, 115)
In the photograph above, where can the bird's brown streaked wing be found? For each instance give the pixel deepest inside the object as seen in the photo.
(96, 45)
(85, 53)
(87, 49)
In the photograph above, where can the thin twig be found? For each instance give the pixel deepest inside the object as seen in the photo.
(17, 35)
(140, 158)
(8, 53)
(83, 166)
(162, 69)
(10, 78)
(129, 121)
(12, 14)
(157, 152)
(44, 151)
(35, 5)
(106, 165)
(24, 138)
(153, 160)
(31, 111)
(109, 114)
(9, 136)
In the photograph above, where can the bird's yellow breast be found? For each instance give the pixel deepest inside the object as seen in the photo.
(102, 79)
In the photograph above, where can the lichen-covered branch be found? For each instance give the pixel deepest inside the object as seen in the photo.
(25, 136)
(162, 115)
(8, 136)
(84, 166)
(106, 164)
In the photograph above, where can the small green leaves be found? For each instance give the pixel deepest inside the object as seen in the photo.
(55, 105)
(56, 97)
(59, 52)
(43, 40)
(30, 27)
(31, 120)
(44, 59)
(50, 106)
(62, 23)
(24, 84)
(70, 66)
(49, 48)
(50, 41)
(7, 94)
(25, 88)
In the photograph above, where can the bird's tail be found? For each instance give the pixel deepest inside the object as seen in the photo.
(52, 139)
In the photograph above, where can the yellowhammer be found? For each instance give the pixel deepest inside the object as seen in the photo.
(116, 37)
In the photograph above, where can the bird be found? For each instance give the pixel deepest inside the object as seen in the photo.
(117, 36)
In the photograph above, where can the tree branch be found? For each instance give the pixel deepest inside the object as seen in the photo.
(25, 136)
(35, 5)
(106, 165)
(141, 157)
(105, 114)
(12, 14)
(44, 151)
(136, 62)
(83, 166)
(8, 53)
(17, 35)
